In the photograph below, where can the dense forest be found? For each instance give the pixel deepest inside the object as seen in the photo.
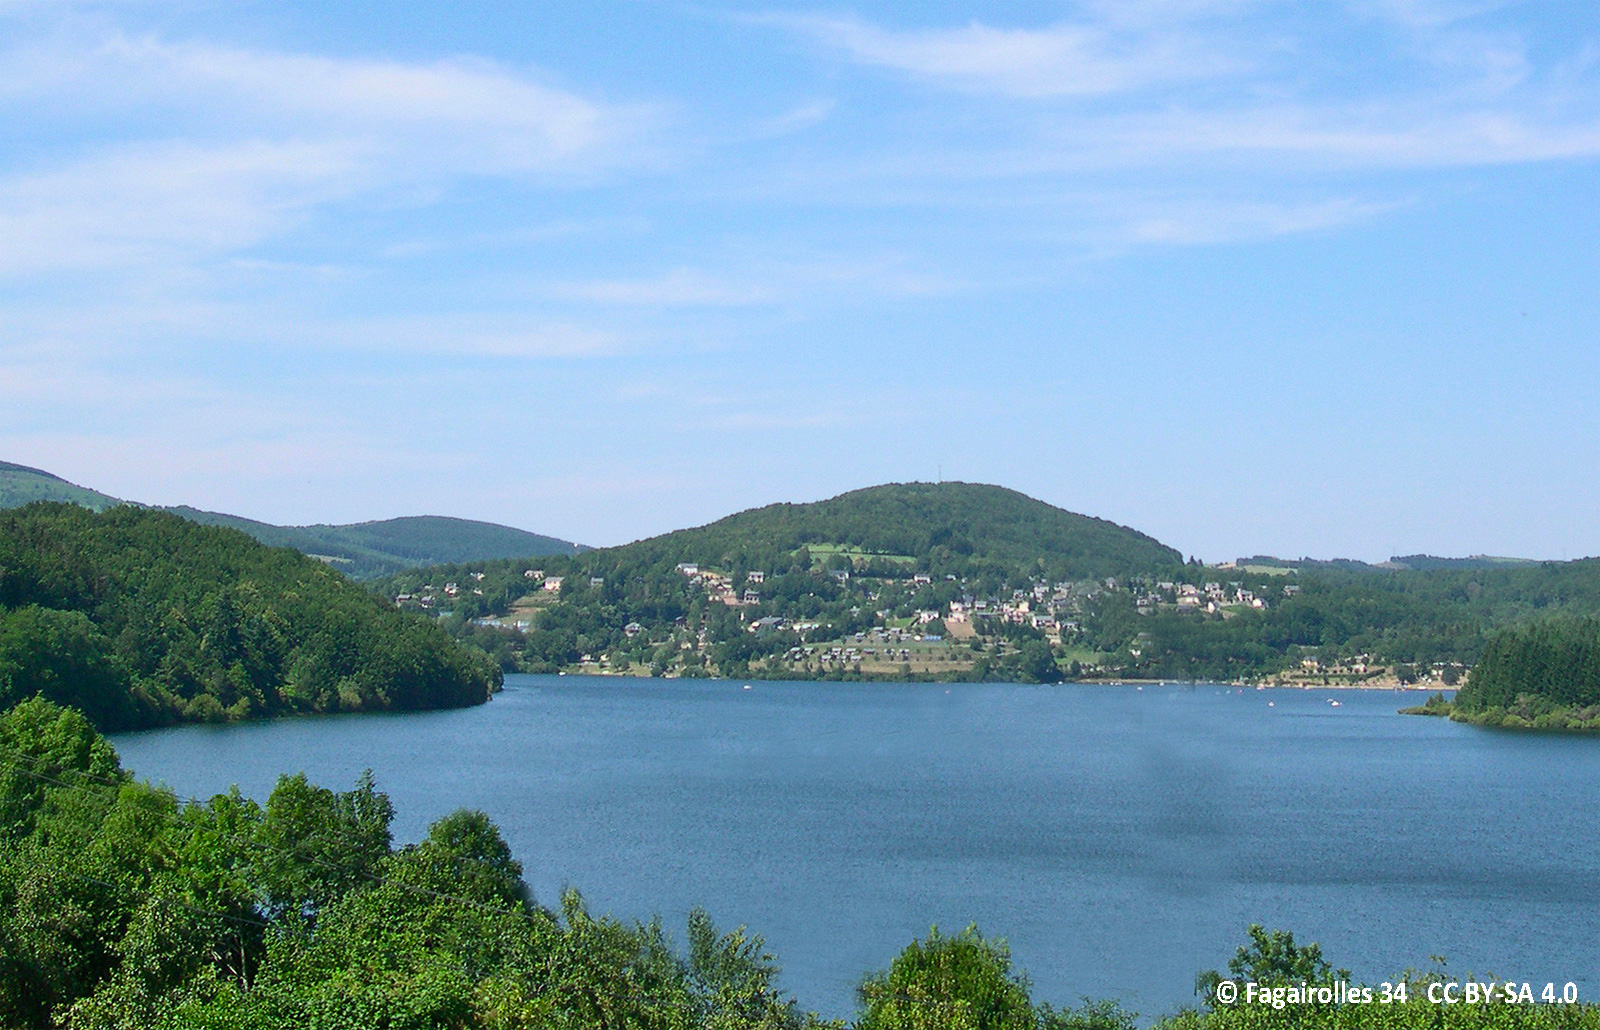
(121, 907)
(141, 618)
(1543, 675)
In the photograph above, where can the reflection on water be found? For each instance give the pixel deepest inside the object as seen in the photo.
(1120, 839)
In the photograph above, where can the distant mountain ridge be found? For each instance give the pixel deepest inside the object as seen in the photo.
(22, 484)
(367, 550)
(362, 550)
(1428, 562)
(1408, 562)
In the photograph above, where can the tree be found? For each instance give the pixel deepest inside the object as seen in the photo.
(1271, 958)
(315, 845)
(62, 656)
(963, 982)
(1036, 663)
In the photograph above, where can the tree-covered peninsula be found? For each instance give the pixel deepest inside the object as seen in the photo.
(122, 907)
(1543, 675)
(141, 618)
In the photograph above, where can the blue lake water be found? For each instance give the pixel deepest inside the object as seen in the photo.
(1121, 839)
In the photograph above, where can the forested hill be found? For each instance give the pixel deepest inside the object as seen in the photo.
(21, 485)
(140, 618)
(943, 528)
(760, 586)
(365, 550)
(966, 580)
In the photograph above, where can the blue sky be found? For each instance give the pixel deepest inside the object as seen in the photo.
(1252, 276)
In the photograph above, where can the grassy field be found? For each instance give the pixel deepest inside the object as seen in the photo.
(825, 551)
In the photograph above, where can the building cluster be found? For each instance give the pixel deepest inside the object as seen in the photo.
(1207, 597)
(846, 655)
(1358, 665)
(719, 586)
(427, 597)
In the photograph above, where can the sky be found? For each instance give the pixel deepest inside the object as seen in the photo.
(1251, 276)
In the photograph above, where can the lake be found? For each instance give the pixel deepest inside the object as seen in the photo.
(1120, 839)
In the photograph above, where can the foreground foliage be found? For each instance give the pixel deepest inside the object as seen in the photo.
(141, 618)
(121, 908)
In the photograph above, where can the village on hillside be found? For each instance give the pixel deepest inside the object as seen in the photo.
(748, 622)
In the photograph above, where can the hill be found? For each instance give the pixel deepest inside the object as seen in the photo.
(21, 485)
(941, 528)
(1430, 563)
(958, 580)
(363, 550)
(366, 550)
(753, 587)
(140, 618)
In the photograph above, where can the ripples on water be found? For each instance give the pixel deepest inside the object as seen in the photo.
(1121, 839)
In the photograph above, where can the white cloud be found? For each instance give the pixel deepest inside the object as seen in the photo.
(1204, 220)
(57, 336)
(794, 120)
(244, 145)
(470, 113)
(467, 335)
(171, 202)
(1384, 136)
(767, 282)
(1066, 59)
(681, 286)
(1116, 89)
(460, 114)
(1425, 14)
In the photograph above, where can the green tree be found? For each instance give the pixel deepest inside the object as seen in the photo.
(62, 656)
(1271, 957)
(963, 982)
(314, 845)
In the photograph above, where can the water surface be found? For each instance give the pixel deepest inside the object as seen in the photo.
(1121, 839)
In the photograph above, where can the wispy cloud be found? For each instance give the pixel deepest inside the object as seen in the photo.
(1194, 220)
(245, 144)
(469, 334)
(1066, 59)
(681, 286)
(767, 281)
(461, 114)
(168, 201)
(1167, 95)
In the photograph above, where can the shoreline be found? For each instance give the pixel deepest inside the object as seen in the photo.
(1390, 685)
